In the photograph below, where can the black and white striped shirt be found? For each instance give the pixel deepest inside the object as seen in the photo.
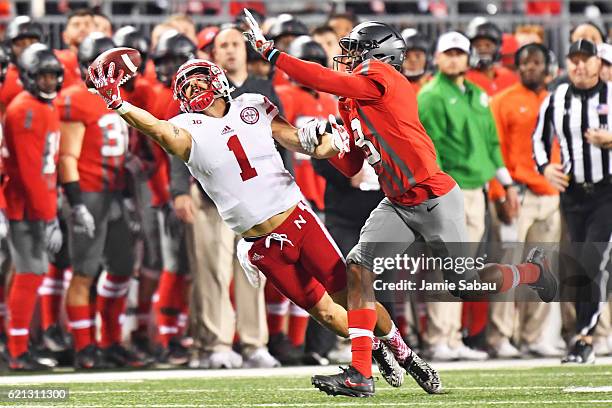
(567, 114)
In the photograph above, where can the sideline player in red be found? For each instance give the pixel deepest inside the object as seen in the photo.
(257, 197)
(379, 104)
(92, 154)
(32, 141)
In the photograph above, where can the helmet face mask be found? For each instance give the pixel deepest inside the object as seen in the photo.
(198, 83)
(371, 40)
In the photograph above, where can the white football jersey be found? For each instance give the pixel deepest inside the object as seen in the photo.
(236, 162)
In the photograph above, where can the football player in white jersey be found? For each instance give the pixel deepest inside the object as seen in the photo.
(228, 146)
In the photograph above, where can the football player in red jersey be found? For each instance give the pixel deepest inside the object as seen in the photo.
(20, 33)
(93, 148)
(32, 141)
(379, 105)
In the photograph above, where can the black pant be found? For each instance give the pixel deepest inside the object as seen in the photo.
(588, 215)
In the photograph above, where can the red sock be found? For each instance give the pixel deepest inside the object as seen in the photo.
(110, 304)
(514, 275)
(21, 303)
(80, 324)
(298, 321)
(2, 309)
(361, 324)
(168, 306)
(50, 292)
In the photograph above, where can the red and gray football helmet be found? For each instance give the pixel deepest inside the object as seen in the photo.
(200, 70)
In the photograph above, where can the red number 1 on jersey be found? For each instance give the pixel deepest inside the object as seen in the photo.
(246, 170)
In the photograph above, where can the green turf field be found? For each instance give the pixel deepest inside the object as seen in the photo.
(538, 387)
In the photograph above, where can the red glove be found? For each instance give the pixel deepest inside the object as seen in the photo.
(107, 85)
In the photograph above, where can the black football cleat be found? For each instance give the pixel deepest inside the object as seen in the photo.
(349, 382)
(122, 357)
(91, 357)
(26, 362)
(546, 285)
(580, 353)
(427, 378)
(389, 368)
(54, 339)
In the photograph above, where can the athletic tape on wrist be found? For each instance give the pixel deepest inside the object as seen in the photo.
(124, 108)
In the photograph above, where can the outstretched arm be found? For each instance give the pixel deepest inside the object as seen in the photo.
(315, 76)
(174, 140)
(311, 74)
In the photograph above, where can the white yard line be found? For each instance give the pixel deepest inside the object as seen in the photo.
(339, 403)
(148, 375)
(588, 389)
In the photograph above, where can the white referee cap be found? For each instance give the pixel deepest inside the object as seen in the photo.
(604, 51)
(453, 40)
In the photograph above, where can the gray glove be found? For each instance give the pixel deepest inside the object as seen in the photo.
(82, 220)
(53, 236)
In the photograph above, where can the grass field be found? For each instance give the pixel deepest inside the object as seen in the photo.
(510, 387)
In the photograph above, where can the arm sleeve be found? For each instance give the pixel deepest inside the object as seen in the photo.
(543, 135)
(315, 76)
(180, 177)
(28, 153)
(433, 118)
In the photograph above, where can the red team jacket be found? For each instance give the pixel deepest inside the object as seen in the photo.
(300, 105)
(105, 142)
(379, 108)
(32, 140)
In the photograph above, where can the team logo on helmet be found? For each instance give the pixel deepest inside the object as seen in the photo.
(249, 115)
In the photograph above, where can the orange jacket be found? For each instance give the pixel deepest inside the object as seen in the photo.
(515, 111)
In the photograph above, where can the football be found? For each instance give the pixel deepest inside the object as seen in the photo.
(126, 59)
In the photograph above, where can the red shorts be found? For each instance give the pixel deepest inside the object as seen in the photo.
(300, 258)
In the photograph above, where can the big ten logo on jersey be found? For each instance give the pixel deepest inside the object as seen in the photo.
(115, 133)
(372, 155)
(196, 121)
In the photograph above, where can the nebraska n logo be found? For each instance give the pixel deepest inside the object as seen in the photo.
(298, 223)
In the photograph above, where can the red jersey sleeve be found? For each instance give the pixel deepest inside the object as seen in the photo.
(26, 139)
(315, 76)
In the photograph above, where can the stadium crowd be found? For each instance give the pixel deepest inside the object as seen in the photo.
(137, 267)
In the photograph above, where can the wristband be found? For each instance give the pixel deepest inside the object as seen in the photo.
(124, 108)
(73, 193)
(273, 56)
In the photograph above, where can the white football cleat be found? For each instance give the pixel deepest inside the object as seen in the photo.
(260, 358)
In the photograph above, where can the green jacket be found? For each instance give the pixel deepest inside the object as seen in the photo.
(463, 130)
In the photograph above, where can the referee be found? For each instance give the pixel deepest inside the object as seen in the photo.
(575, 112)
